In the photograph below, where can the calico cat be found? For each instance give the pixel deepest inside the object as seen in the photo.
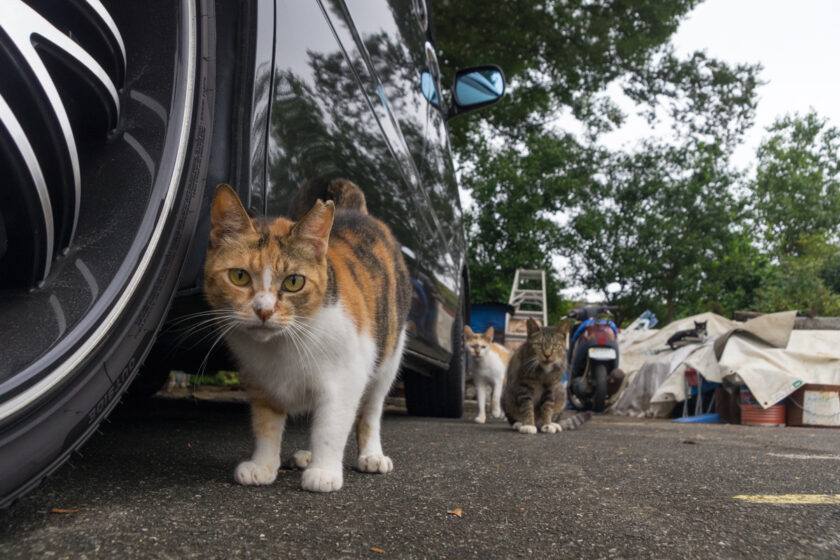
(313, 310)
(534, 390)
(489, 361)
(698, 333)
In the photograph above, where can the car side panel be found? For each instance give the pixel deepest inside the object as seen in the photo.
(331, 115)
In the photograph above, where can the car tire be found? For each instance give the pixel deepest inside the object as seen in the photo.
(440, 394)
(39, 433)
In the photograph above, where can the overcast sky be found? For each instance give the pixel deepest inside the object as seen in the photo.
(797, 43)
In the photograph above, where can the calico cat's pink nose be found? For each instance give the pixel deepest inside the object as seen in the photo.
(264, 314)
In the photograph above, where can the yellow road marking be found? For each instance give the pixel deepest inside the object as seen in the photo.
(791, 498)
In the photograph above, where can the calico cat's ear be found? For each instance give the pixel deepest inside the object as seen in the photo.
(227, 215)
(533, 326)
(468, 332)
(488, 334)
(315, 226)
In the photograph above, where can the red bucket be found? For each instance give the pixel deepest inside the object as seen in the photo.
(753, 415)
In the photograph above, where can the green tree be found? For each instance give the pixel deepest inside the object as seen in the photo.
(806, 281)
(661, 224)
(556, 56)
(734, 277)
(796, 192)
(516, 198)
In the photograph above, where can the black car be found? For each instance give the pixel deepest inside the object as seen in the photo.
(117, 120)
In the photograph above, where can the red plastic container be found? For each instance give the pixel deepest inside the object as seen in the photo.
(753, 415)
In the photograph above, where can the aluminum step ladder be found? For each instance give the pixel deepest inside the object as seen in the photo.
(527, 296)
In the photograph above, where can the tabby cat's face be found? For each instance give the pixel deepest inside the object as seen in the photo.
(548, 344)
(266, 278)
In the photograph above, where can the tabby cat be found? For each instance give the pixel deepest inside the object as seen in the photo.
(534, 390)
(313, 310)
(489, 361)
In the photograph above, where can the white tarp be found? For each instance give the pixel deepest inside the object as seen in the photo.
(765, 354)
(647, 361)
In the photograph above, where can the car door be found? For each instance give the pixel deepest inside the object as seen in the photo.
(394, 40)
(345, 98)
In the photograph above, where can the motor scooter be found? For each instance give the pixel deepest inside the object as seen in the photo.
(592, 371)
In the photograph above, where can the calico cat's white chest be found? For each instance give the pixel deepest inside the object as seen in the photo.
(324, 355)
(488, 366)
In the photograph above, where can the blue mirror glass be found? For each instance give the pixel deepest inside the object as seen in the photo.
(430, 92)
(479, 87)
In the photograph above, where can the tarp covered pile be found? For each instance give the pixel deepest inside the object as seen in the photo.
(765, 354)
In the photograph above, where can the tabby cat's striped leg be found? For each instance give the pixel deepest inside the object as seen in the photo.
(267, 423)
(546, 412)
(526, 414)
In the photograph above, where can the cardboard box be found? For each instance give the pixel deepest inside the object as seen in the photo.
(816, 406)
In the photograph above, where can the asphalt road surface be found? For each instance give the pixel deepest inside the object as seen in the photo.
(159, 484)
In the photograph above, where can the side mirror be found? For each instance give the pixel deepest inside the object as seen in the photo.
(429, 88)
(475, 88)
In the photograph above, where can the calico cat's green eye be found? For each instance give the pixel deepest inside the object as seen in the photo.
(537, 345)
(239, 277)
(294, 283)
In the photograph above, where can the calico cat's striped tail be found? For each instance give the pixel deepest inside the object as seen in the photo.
(346, 194)
(576, 421)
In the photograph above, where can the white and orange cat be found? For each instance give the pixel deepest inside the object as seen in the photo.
(314, 312)
(489, 361)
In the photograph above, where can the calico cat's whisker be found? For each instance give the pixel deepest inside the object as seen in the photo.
(309, 363)
(203, 313)
(311, 334)
(299, 346)
(318, 335)
(204, 323)
(200, 315)
(311, 341)
(307, 348)
(212, 326)
(210, 334)
(203, 367)
(201, 325)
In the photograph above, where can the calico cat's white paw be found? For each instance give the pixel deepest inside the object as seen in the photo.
(321, 480)
(551, 428)
(302, 458)
(480, 419)
(498, 413)
(375, 464)
(516, 425)
(250, 473)
(526, 429)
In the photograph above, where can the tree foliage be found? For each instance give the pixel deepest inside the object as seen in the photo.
(796, 192)
(557, 56)
(662, 224)
(516, 199)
